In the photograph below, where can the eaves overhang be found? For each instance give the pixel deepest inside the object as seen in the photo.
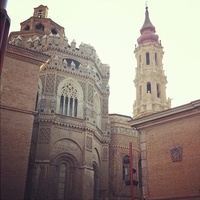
(177, 113)
(26, 55)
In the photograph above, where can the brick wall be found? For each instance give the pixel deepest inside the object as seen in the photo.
(15, 142)
(18, 94)
(121, 135)
(165, 177)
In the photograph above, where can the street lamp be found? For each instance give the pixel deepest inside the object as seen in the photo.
(128, 171)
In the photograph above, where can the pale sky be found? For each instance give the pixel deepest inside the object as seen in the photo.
(112, 28)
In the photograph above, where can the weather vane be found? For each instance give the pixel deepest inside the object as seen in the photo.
(146, 4)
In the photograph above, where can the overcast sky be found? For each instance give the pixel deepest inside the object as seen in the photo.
(112, 28)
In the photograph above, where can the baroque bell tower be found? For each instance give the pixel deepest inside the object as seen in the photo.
(150, 80)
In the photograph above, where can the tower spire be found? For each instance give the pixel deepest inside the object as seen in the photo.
(148, 30)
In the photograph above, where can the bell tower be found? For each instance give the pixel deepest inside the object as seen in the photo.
(41, 12)
(150, 80)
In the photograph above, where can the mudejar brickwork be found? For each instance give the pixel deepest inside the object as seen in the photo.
(58, 139)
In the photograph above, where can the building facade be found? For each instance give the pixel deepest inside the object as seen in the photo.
(70, 139)
(66, 145)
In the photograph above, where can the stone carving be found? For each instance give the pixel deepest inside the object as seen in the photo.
(43, 104)
(69, 90)
(42, 77)
(50, 83)
(53, 105)
(105, 106)
(90, 93)
(89, 142)
(176, 153)
(83, 88)
(44, 136)
(119, 130)
(105, 153)
(58, 80)
(119, 119)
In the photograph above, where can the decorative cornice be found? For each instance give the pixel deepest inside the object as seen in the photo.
(190, 109)
(14, 109)
(124, 131)
(27, 55)
(122, 147)
(74, 123)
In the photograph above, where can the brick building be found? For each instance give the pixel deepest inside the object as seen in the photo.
(59, 141)
(170, 152)
(17, 114)
(168, 136)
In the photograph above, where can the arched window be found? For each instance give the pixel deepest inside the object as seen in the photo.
(140, 93)
(156, 59)
(61, 104)
(148, 87)
(27, 27)
(70, 62)
(40, 12)
(65, 179)
(54, 31)
(68, 100)
(39, 27)
(158, 90)
(75, 107)
(125, 164)
(147, 58)
(61, 181)
(97, 110)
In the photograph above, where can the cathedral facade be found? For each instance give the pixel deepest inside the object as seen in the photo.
(66, 144)
(70, 140)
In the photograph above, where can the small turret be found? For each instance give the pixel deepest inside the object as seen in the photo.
(41, 12)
